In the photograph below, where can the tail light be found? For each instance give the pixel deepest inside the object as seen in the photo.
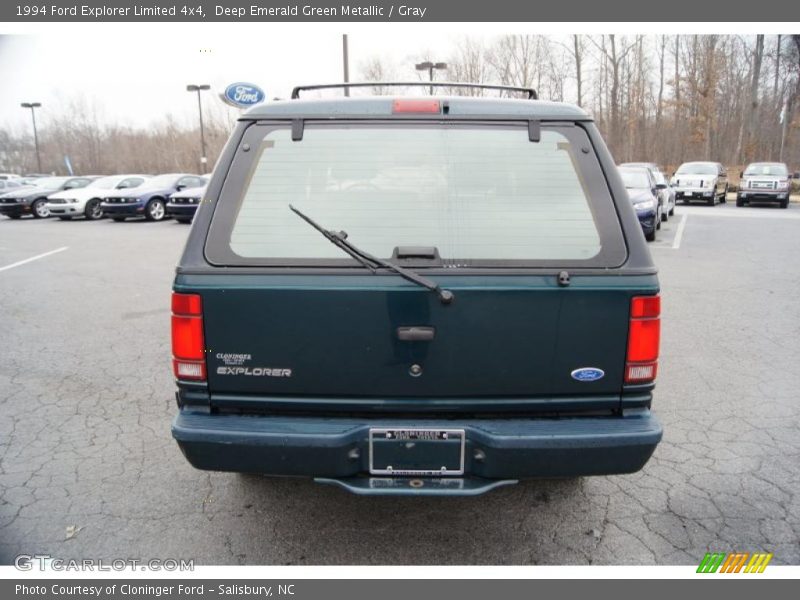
(188, 345)
(644, 334)
(414, 105)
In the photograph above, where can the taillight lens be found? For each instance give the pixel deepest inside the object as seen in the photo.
(644, 335)
(414, 105)
(188, 344)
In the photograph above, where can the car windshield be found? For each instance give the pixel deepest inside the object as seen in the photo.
(470, 192)
(49, 182)
(105, 183)
(697, 169)
(163, 181)
(768, 170)
(635, 179)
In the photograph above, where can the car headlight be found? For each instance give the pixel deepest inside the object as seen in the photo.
(645, 205)
(710, 184)
(783, 185)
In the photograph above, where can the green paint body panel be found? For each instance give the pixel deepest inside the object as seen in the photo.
(504, 336)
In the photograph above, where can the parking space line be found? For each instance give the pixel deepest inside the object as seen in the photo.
(32, 258)
(676, 243)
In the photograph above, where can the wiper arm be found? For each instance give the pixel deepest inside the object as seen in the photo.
(339, 239)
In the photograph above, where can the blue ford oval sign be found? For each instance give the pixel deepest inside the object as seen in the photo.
(242, 94)
(588, 374)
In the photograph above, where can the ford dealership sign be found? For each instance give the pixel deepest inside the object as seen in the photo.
(243, 94)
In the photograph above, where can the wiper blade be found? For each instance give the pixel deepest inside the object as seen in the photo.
(339, 239)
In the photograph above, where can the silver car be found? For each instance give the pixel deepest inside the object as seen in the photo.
(764, 182)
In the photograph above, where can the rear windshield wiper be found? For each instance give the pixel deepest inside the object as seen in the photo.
(339, 239)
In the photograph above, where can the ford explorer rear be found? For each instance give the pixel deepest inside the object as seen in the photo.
(416, 295)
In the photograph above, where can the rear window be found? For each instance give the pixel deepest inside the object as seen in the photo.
(482, 195)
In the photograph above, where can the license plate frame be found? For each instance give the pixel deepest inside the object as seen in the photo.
(446, 442)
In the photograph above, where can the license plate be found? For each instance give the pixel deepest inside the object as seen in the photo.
(689, 194)
(417, 452)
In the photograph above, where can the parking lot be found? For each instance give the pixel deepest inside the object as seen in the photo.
(88, 468)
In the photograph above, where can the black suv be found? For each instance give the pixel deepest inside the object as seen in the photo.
(416, 295)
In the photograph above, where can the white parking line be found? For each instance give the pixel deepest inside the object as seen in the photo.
(32, 258)
(676, 243)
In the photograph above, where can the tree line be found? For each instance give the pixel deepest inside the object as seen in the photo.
(660, 98)
(94, 146)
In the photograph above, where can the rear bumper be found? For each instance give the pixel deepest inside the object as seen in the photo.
(495, 448)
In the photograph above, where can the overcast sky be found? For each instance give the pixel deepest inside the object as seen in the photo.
(139, 75)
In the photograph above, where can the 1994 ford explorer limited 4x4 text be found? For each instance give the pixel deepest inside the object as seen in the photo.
(416, 295)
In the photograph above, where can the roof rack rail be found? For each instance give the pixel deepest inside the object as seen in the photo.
(532, 95)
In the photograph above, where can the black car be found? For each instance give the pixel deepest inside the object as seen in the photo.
(32, 199)
(416, 295)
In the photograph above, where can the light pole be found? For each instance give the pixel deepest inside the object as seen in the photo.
(198, 89)
(346, 63)
(429, 67)
(33, 106)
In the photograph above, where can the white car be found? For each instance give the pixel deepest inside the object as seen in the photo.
(706, 181)
(85, 202)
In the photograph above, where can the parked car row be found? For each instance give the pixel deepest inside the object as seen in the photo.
(93, 197)
(654, 197)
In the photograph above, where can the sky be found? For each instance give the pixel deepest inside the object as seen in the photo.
(137, 75)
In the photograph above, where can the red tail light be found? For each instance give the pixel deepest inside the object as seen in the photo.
(188, 344)
(414, 105)
(643, 339)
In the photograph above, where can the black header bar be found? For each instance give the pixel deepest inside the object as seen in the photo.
(710, 11)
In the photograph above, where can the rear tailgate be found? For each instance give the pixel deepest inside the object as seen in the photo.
(339, 336)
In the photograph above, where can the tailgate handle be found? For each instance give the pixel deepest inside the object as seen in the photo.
(415, 334)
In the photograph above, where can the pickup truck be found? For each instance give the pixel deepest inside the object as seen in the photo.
(764, 182)
(416, 295)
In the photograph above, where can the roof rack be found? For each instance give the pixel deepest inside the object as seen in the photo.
(532, 95)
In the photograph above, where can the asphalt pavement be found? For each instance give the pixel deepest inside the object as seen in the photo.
(88, 468)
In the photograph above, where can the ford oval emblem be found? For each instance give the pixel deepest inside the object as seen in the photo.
(242, 94)
(588, 374)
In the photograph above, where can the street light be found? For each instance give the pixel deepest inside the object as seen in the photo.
(198, 89)
(346, 63)
(33, 106)
(429, 67)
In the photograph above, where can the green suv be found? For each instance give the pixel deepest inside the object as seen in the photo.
(416, 295)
